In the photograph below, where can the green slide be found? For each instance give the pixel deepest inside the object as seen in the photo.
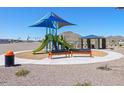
(43, 44)
(64, 43)
(55, 39)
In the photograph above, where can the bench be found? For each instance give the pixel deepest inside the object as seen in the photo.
(70, 53)
(66, 53)
(82, 51)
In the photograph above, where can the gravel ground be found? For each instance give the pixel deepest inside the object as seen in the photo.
(64, 75)
(18, 47)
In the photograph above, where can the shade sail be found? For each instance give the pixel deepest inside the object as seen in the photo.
(44, 23)
(52, 21)
(61, 22)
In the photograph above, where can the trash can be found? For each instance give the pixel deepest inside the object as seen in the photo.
(9, 59)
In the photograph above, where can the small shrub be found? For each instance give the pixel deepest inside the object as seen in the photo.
(104, 68)
(120, 45)
(85, 83)
(22, 72)
(111, 48)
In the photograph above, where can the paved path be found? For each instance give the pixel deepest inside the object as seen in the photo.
(61, 61)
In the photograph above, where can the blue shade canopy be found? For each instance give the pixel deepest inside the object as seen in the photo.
(44, 23)
(92, 37)
(61, 22)
(52, 21)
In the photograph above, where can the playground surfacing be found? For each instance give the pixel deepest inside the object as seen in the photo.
(29, 55)
(42, 55)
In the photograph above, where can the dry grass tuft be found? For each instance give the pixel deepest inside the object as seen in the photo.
(22, 72)
(85, 83)
(106, 68)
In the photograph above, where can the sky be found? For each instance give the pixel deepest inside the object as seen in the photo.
(15, 22)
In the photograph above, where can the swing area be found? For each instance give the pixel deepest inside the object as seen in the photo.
(55, 44)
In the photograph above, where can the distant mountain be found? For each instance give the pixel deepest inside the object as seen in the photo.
(114, 40)
(117, 38)
(71, 36)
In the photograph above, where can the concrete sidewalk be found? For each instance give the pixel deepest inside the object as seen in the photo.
(61, 61)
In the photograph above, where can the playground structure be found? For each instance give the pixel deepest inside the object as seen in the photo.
(52, 41)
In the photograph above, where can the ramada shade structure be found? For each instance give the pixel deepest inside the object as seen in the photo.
(93, 42)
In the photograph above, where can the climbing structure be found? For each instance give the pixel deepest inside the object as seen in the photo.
(52, 41)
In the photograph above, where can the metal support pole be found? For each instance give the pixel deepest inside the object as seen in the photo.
(103, 43)
(98, 43)
(82, 44)
(53, 39)
(89, 43)
(56, 35)
(45, 38)
(49, 41)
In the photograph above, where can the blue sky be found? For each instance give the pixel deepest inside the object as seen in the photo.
(14, 22)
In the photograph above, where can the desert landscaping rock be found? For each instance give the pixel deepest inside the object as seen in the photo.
(66, 74)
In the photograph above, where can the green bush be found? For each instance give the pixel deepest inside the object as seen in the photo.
(22, 72)
(120, 45)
